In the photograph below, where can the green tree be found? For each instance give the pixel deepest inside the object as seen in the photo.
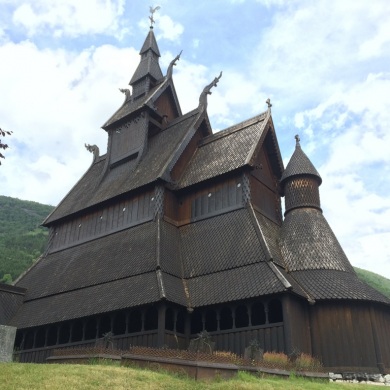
(3, 146)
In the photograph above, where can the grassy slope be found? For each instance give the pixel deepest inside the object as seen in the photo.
(66, 377)
(22, 240)
(376, 281)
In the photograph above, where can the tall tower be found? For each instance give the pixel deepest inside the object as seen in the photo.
(307, 241)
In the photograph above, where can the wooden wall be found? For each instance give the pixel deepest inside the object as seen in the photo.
(270, 337)
(109, 219)
(264, 188)
(165, 106)
(296, 324)
(205, 201)
(348, 334)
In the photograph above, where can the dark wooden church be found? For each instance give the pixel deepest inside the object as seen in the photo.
(176, 230)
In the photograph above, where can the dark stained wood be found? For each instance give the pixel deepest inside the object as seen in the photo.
(342, 334)
(265, 200)
(166, 106)
(105, 221)
(186, 156)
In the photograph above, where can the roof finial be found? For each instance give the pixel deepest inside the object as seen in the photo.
(207, 91)
(297, 139)
(268, 101)
(172, 64)
(152, 11)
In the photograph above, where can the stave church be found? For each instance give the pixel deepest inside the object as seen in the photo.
(178, 230)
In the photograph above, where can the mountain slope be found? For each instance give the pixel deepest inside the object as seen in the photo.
(22, 239)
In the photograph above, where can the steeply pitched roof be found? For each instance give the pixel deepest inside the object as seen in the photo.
(93, 189)
(323, 284)
(308, 242)
(147, 67)
(214, 260)
(150, 43)
(218, 244)
(300, 164)
(224, 151)
(119, 294)
(249, 281)
(99, 261)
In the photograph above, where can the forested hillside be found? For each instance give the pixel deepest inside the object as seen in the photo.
(22, 239)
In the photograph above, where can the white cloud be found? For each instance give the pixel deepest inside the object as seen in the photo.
(352, 126)
(70, 17)
(53, 107)
(311, 49)
(166, 28)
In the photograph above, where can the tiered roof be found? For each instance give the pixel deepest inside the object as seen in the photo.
(235, 255)
(311, 252)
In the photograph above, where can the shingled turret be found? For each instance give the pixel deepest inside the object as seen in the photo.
(300, 181)
(310, 249)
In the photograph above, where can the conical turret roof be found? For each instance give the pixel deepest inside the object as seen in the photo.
(300, 164)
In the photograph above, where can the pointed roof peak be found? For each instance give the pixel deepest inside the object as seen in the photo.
(150, 43)
(299, 164)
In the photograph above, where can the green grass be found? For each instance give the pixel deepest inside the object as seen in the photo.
(19, 376)
(376, 281)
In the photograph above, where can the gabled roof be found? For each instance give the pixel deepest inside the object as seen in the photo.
(132, 106)
(226, 150)
(93, 188)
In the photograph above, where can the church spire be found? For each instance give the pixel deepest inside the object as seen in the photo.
(148, 72)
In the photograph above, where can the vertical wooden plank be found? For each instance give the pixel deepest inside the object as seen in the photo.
(141, 208)
(218, 199)
(232, 196)
(121, 213)
(267, 340)
(225, 195)
(198, 206)
(205, 203)
(211, 206)
(134, 214)
(130, 207)
(148, 205)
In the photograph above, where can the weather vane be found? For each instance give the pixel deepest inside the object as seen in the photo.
(152, 11)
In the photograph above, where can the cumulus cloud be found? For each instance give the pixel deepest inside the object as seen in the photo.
(166, 28)
(70, 17)
(352, 126)
(62, 100)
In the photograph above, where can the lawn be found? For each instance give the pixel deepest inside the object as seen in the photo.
(19, 376)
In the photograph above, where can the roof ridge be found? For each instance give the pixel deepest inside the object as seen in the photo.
(181, 118)
(232, 129)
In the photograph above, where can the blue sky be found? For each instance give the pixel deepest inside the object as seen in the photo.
(323, 63)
